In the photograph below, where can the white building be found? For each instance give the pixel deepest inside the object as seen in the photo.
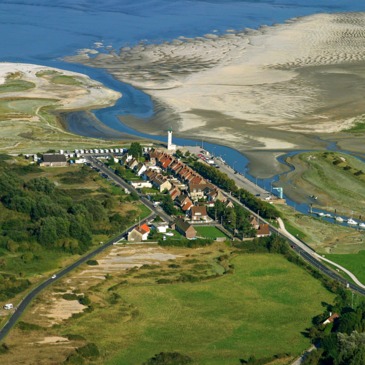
(170, 146)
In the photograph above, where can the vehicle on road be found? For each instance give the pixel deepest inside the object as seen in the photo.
(54, 276)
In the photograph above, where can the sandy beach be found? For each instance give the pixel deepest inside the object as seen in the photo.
(85, 93)
(276, 88)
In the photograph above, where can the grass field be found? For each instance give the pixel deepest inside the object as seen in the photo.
(337, 179)
(259, 310)
(353, 262)
(209, 232)
(323, 236)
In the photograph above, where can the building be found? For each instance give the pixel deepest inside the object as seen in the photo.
(184, 228)
(170, 146)
(199, 213)
(263, 230)
(54, 160)
(139, 233)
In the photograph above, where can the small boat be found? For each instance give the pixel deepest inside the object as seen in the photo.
(328, 215)
(320, 214)
(362, 225)
(339, 219)
(351, 222)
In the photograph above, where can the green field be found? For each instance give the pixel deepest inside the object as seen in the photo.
(209, 232)
(353, 262)
(261, 310)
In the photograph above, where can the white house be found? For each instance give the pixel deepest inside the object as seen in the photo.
(161, 227)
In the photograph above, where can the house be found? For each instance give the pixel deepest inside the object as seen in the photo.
(161, 227)
(140, 169)
(132, 163)
(199, 213)
(331, 318)
(263, 230)
(214, 194)
(161, 183)
(53, 159)
(174, 193)
(141, 184)
(184, 202)
(185, 228)
(139, 233)
(197, 191)
(254, 223)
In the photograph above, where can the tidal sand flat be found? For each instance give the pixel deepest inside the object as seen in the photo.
(30, 95)
(276, 88)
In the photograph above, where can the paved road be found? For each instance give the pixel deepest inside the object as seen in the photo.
(31, 295)
(118, 180)
(240, 180)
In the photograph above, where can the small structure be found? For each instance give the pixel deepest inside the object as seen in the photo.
(161, 227)
(331, 318)
(139, 233)
(141, 184)
(185, 228)
(8, 306)
(54, 159)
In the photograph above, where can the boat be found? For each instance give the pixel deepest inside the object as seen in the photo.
(362, 225)
(320, 214)
(351, 222)
(339, 219)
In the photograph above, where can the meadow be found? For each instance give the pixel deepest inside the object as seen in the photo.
(353, 262)
(260, 309)
(209, 232)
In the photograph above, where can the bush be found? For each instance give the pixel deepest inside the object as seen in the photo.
(169, 358)
(90, 350)
(92, 262)
(73, 337)
(25, 326)
(70, 296)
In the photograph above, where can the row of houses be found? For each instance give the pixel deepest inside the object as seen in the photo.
(188, 189)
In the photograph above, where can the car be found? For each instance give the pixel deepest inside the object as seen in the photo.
(54, 276)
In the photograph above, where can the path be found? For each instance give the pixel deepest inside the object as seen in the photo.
(304, 247)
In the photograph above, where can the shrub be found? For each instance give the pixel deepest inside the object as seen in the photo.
(90, 350)
(25, 326)
(92, 262)
(169, 358)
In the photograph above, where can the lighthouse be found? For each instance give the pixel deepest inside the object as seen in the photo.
(170, 146)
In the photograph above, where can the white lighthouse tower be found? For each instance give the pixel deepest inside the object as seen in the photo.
(170, 146)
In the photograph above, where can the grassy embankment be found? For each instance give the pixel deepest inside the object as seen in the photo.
(258, 308)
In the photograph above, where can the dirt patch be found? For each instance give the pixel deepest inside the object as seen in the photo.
(53, 340)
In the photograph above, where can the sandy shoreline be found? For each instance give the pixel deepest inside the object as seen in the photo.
(276, 88)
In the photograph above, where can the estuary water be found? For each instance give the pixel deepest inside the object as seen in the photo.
(45, 31)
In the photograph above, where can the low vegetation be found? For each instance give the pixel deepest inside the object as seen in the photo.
(48, 215)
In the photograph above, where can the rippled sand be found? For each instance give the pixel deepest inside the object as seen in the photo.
(272, 88)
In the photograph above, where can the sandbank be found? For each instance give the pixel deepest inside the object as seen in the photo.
(276, 88)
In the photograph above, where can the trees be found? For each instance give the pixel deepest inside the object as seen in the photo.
(135, 150)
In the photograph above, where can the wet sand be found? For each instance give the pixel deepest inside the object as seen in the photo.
(274, 89)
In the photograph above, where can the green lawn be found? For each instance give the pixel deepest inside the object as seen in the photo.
(353, 262)
(259, 310)
(209, 232)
